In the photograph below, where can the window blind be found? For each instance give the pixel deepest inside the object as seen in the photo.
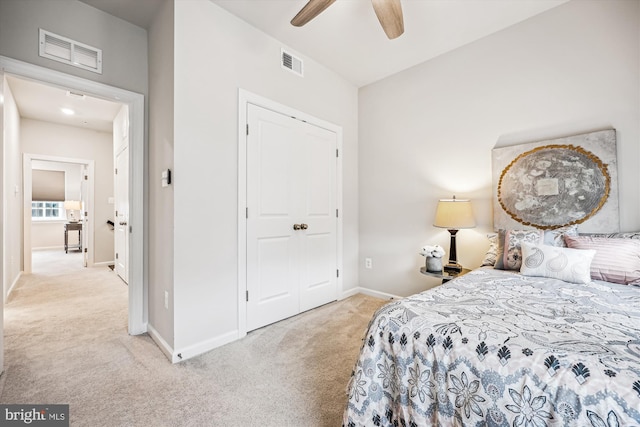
(47, 186)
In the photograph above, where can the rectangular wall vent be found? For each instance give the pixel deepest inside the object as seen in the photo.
(76, 95)
(70, 52)
(291, 63)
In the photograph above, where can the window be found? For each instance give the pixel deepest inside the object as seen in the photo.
(48, 210)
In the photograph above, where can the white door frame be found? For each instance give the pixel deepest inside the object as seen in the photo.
(245, 98)
(27, 163)
(137, 322)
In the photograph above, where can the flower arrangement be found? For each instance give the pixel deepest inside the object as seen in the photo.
(435, 251)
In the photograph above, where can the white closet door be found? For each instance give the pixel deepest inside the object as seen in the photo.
(291, 224)
(317, 204)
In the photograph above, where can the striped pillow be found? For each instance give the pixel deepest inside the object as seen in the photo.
(616, 260)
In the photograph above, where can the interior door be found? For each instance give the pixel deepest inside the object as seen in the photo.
(291, 220)
(121, 227)
(84, 214)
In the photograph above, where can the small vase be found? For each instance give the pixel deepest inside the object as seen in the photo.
(434, 264)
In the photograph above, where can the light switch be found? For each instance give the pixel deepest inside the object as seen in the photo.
(166, 177)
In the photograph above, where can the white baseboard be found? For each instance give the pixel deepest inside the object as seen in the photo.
(13, 285)
(164, 346)
(185, 353)
(180, 355)
(370, 292)
(48, 248)
(102, 264)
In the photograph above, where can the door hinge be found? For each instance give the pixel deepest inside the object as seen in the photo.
(337, 153)
(247, 128)
(86, 177)
(85, 250)
(247, 296)
(246, 213)
(116, 171)
(116, 213)
(337, 273)
(337, 213)
(116, 256)
(86, 215)
(130, 229)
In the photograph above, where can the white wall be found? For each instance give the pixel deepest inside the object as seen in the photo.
(48, 235)
(38, 137)
(12, 173)
(161, 55)
(428, 132)
(215, 54)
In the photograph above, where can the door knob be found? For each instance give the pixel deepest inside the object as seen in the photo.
(304, 226)
(297, 226)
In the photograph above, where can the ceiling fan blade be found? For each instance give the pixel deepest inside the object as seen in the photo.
(389, 13)
(310, 10)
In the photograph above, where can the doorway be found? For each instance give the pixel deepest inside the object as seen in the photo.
(78, 185)
(137, 322)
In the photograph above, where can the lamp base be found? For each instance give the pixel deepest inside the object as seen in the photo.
(452, 268)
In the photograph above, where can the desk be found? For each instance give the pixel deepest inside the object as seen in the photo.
(444, 275)
(72, 226)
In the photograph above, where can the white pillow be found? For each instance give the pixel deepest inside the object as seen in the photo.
(570, 265)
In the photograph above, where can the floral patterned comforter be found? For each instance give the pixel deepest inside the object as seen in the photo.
(494, 348)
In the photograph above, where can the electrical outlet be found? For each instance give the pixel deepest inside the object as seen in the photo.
(166, 300)
(368, 263)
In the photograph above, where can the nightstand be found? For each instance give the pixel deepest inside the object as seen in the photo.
(72, 226)
(444, 275)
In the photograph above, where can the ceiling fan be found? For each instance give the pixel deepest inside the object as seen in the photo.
(389, 13)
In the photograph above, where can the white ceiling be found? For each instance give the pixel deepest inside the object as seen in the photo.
(41, 102)
(346, 37)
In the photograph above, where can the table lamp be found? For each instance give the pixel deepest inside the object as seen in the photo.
(454, 214)
(72, 206)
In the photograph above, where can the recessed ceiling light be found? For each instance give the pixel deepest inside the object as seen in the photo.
(68, 111)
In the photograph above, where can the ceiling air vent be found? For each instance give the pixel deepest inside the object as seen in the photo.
(291, 63)
(76, 95)
(70, 52)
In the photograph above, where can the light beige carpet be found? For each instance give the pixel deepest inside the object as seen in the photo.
(66, 342)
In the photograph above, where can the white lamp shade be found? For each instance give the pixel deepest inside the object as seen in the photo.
(454, 214)
(72, 205)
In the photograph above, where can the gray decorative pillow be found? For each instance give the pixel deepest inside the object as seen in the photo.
(510, 255)
(570, 265)
(556, 237)
(492, 252)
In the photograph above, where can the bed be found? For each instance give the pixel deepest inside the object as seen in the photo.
(504, 348)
